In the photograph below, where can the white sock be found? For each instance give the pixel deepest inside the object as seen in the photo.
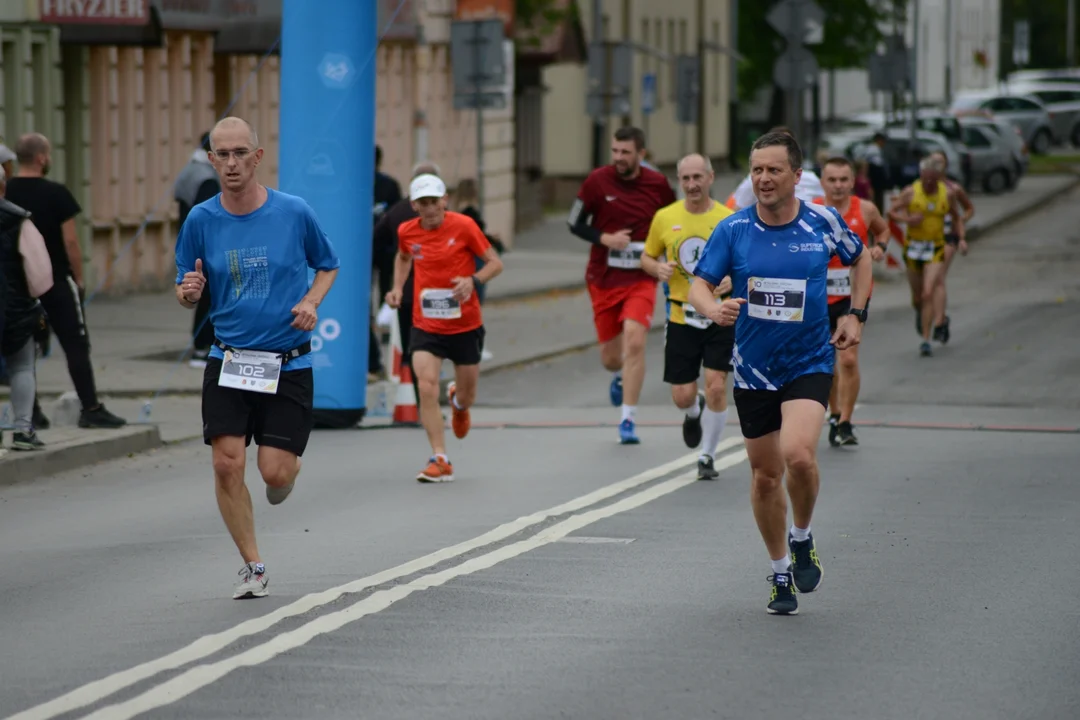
(712, 427)
(694, 411)
(617, 374)
(442, 456)
(782, 565)
(799, 535)
(629, 412)
(455, 403)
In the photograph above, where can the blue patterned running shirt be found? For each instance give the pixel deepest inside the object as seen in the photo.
(256, 268)
(783, 329)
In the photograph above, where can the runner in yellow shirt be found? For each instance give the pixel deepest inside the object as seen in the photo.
(923, 207)
(676, 240)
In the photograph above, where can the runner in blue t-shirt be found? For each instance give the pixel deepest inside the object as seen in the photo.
(776, 252)
(254, 246)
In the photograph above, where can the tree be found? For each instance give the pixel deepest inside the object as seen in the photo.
(852, 33)
(536, 18)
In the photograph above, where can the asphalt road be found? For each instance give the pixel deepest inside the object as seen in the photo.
(948, 539)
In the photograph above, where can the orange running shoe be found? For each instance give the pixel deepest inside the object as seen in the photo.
(437, 470)
(460, 421)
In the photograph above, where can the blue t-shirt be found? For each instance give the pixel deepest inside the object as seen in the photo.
(783, 329)
(256, 267)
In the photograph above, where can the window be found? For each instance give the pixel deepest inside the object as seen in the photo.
(682, 36)
(12, 126)
(658, 34)
(40, 72)
(671, 52)
(976, 138)
(715, 64)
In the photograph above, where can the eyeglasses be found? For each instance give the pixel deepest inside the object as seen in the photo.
(238, 154)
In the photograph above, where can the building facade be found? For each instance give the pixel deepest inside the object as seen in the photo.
(660, 30)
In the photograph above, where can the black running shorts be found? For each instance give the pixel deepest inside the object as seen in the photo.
(759, 410)
(687, 349)
(460, 348)
(283, 420)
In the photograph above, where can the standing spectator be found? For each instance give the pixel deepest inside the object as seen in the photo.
(878, 169)
(467, 202)
(197, 183)
(25, 275)
(387, 193)
(53, 209)
(863, 189)
(7, 161)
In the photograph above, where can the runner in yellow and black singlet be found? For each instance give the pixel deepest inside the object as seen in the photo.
(676, 241)
(923, 206)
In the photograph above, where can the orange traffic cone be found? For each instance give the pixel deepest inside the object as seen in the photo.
(405, 410)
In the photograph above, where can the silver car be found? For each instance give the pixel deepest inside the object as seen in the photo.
(1063, 102)
(992, 162)
(1023, 111)
(1009, 135)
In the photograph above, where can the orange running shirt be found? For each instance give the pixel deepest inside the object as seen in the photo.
(440, 255)
(838, 283)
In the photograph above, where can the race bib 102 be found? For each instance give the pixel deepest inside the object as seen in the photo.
(628, 258)
(251, 370)
(439, 304)
(695, 319)
(777, 299)
(838, 281)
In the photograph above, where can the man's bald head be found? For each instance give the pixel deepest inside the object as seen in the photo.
(30, 148)
(696, 161)
(230, 126)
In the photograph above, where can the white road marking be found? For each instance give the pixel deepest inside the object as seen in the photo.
(200, 676)
(209, 644)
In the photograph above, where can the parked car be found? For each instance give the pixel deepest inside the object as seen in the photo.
(1061, 75)
(1010, 136)
(1023, 111)
(902, 159)
(992, 163)
(1063, 102)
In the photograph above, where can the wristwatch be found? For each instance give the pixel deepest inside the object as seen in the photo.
(476, 281)
(860, 314)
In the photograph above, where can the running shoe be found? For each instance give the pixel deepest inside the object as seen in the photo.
(26, 441)
(691, 427)
(834, 430)
(705, 469)
(253, 583)
(806, 568)
(925, 350)
(845, 434)
(627, 436)
(616, 391)
(461, 420)
(783, 600)
(437, 471)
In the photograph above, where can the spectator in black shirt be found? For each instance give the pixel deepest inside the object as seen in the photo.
(197, 183)
(387, 193)
(53, 210)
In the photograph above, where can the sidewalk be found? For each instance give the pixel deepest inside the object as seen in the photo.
(536, 310)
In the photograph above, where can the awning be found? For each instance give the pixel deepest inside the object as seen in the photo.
(241, 27)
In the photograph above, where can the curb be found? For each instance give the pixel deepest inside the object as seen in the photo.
(18, 467)
(1024, 211)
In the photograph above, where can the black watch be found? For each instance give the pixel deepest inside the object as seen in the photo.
(861, 314)
(476, 281)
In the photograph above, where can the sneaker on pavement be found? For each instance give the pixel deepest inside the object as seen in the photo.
(437, 471)
(253, 582)
(805, 568)
(925, 350)
(784, 599)
(460, 420)
(691, 427)
(616, 391)
(834, 431)
(99, 417)
(627, 436)
(705, 469)
(26, 441)
(845, 434)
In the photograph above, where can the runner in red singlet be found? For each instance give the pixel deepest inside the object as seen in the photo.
(838, 180)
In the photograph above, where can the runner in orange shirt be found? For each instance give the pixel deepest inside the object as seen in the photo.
(441, 248)
(838, 180)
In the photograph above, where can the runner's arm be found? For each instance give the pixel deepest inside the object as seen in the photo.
(899, 210)
(879, 228)
(654, 250)
(493, 265)
(580, 218)
(965, 202)
(958, 219)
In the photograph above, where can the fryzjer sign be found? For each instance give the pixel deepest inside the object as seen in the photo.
(112, 12)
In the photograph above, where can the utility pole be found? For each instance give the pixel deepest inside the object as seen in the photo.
(914, 109)
(597, 46)
(949, 52)
(1070, 34)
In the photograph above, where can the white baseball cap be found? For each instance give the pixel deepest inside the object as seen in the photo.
(424, 186)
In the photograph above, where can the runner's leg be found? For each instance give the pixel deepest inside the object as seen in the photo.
(234, 501)
(427, 366)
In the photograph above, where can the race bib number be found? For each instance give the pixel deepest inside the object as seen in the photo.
(838, 281)
(250, 370)
(695, 319)
(920, 249)
(778, 299)
(627, 259)
(439, 304)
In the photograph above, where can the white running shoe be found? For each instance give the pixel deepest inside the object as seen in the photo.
(253, 585)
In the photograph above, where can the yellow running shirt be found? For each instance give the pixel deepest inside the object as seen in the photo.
(680, 236)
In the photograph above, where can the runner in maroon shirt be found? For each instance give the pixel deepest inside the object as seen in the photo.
(613, 211)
